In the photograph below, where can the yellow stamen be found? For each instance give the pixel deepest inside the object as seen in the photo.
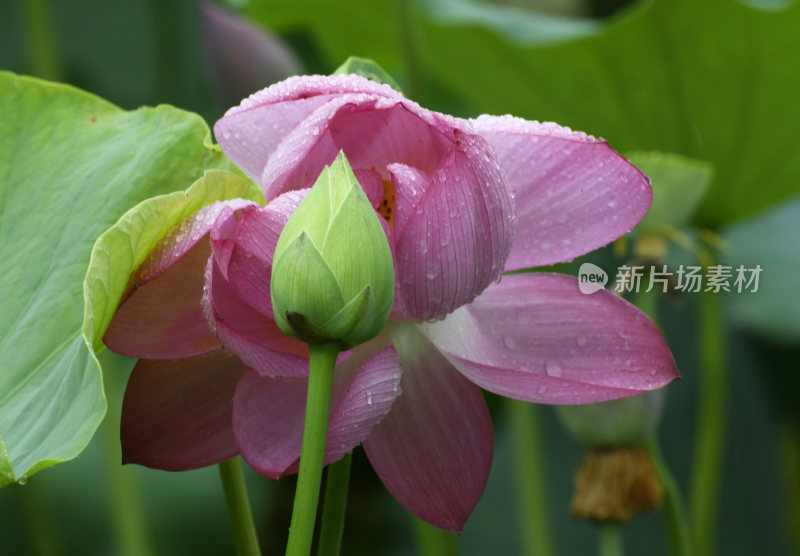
(386, 207)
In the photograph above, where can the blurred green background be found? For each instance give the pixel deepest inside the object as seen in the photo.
(715, 81)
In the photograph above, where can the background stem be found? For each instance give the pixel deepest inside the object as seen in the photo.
(432, 541)
(322, 361)
(674, 509)
(610, 539)
(244, 531)
(42, 54)
(336, 486)
(127, 516)
(532, 485)
(710, 439)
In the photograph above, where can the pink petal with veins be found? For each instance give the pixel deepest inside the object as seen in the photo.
(456, 240)
(536, 337)
(269, 412)
(572, 192)
(433, 451)
(163, 318)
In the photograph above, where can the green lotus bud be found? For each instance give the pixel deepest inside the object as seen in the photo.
(629, 420)
(332, 272)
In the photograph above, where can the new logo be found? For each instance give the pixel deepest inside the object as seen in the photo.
(591, 278)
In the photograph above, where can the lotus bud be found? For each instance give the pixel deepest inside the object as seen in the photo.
(629, 420)
(333, 273)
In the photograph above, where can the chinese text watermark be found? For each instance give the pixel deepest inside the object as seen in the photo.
(684, 278)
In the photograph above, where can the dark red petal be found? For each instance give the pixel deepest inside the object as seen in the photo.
(177, 415)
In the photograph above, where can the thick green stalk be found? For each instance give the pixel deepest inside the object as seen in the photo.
(320, 381)
(674, 509)
(432, 541)
(332, 528)
(244, 530)
(710, 438)
(531, 481)
(610, 540)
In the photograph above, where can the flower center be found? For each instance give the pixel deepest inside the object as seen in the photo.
(386, 207)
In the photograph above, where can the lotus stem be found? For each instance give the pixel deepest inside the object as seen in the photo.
(312, 456)
(244, 530)
(710, 438)
(432, 541)
(610, 541)
(532, 484)
(674, 509)
(336, 486)
(127, 515)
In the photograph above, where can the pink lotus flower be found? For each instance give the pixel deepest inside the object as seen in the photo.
(463, 201)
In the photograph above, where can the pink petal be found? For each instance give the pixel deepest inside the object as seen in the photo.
(372, 184)
(250, 132)
(536, 337)
(186, 235)
(251, 335)
(373, 132)
(458, 237)
(163, 318)
(258, 230)
(409, 184)
(303, 87)
(243, 248)
(572, 192)
(434, 449)
(177, 415)
(269, 412)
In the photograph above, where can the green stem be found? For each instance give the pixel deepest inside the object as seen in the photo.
(42, 53)
(332, 528)
(790, 448)
(432, 541)
(674, 509)
(610, 542)
(710, 439)
(244, 531)
(127, 515)
(532, 484)
(320, 381)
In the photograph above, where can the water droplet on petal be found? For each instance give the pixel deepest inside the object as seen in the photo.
(553, 369)
(510, 342)
(582, 341)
